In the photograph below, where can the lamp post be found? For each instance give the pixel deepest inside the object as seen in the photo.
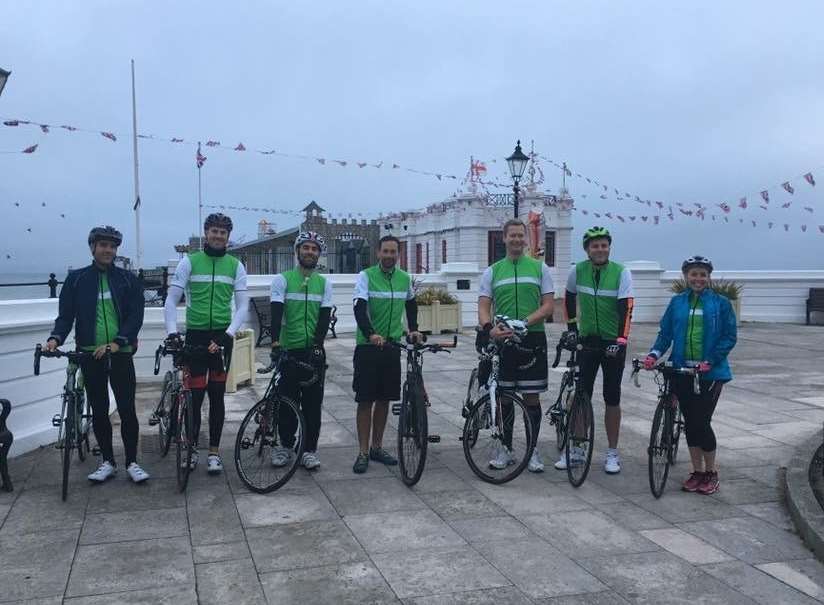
(4, 75)
(517, 164)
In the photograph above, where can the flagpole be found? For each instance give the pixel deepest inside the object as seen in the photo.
(138, 243)
(199, 229)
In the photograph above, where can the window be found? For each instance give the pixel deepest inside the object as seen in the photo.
(418, 258)
(403, 258)
(426, 266)
(549, 249)
(443, 251)
(495, 246)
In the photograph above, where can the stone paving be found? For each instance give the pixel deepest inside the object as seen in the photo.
(334, 537)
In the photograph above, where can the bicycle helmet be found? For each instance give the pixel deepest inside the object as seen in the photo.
(696, 261)
(218, 219)
(596, 233)
(311, 236)
(105, 233)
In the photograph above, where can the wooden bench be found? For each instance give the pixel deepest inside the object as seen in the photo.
(263, 310)
(815, 302)
(6, 439)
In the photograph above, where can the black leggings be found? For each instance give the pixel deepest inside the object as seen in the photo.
(309, 399)
(207, 374)
(121, 376)
(697, 410)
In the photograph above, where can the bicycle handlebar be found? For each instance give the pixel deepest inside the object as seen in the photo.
(665, 367)
(435, 347)
(286, 358)
(186, 351)
(72, 356)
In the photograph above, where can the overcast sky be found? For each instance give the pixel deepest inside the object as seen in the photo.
(689, 103)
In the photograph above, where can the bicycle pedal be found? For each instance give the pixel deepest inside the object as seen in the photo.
(57, 420)
(396, 409)
(434, 438)
(154, 420)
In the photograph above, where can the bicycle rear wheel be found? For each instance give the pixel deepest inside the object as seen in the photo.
(659, 452)
(260, 433)
(580, 439)
(184, 419)
(413, 433)
(498, 451)
(68, 439)
(165, 418)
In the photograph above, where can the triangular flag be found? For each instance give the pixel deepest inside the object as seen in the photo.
(742, 203)
(240, 147)
(809, 178)
(321, 161)
(109, 136)
(31, 149)
(787, 187)
(765, 195)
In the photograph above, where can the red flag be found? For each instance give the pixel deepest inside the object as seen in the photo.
(786, 205)
(742, 203)
(395, 166)
(44, 127)
(69, 128)
(31, 149)
(787, 187)
(240, 147)
(809, 178)
(765, 195)
(200, 159)
(477, 168)
(597, 215)
(808, 209)
(584, 211)
(361, 164)
(109, 136)
(725, 207)
(321, 161)
(11, 123)
(211, 143)
(655, 219)
(174, 140)
(341, 162)
(804, 228)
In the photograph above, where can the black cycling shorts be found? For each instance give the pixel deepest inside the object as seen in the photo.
(532, 379)
(612, 370)
(377, 374)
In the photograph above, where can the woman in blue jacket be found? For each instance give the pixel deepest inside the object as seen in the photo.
(700, 326)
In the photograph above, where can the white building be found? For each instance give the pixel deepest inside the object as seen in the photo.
(467, 228)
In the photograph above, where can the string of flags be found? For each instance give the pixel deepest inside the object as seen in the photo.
(217, 144)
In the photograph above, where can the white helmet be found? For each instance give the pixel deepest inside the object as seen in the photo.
(311, 236)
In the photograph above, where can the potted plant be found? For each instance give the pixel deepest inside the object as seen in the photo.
(438, 310)
(728, 288)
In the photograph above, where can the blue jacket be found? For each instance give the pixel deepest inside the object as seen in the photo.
(78, 305)
(720, 332)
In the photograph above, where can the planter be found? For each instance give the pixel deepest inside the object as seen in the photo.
(437, 318)
(242, 367)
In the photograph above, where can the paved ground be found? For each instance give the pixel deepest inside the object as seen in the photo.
(333, 537)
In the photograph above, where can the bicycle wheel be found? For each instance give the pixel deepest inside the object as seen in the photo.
(68, 439)
(498, 451)
(659, 452)
(184, 420)
(580, 439)
(413, 434)
(558, 414)
(163, 413)
(82, 417)
(261, 431)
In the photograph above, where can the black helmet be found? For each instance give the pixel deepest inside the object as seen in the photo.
(105, 233)
(218, 219)
(696, 261)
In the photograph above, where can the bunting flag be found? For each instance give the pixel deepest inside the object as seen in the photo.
(30, 149)
(725, 207)
(361, 164)
(809, 178)
(240, 147)
(321, 161)
(176, 140)
(200, 159)
(44, 128)
(765, 195)
(742, 203)
(11, 123)
(211, 143)
(787, 187)
(786, 204)
(109, 136)
(136, 203)
(808, 209)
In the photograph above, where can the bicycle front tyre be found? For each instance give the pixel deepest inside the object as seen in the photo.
(580, 439)
(413, 434)
(659, 452)
(184, 419)
(68, 440)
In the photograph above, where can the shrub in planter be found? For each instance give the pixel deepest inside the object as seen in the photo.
(427, 296)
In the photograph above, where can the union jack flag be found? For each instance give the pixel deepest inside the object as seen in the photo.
(200, 159)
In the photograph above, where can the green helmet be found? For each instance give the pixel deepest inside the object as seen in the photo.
(596, 233)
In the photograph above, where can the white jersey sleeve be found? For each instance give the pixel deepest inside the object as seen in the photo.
(547, 287)
(183, 272)
(278, 290)
(240, 278)
(327, 294)
(485, 286)
(625, 285)
(361, 287)
(572, 281)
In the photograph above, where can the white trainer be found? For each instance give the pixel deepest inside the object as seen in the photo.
(536, 465)
(137, 474)
(502, 459)
(612, 463)
(310, 460)
(103, 472)
(214, 464)
(281, 456)
(577, 457)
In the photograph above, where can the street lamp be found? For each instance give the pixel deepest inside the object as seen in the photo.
(4, 75)
(517, 164)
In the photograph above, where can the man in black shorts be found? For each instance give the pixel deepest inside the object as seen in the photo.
(382, 293)
(520, 288)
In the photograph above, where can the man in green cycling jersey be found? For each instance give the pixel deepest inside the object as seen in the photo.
(211, 279)
(521, 288)
(301, 311)
(382, 294)
(602, 290)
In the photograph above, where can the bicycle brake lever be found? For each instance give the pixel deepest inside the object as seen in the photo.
(636, 378)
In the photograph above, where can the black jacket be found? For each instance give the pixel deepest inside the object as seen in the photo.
(78, 305)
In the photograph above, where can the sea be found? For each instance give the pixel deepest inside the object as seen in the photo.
(25, 292)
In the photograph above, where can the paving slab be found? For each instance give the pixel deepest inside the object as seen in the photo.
(213, 515)
(346, 584)
(134, 525)
(225, 551)
(292, 506)
(307, 544)
(415, 573)
(597, 598)
(41, 510)
(463, 504)
(336, 465)
(493, 596)
(538, 569)
(404, 530)
(233, 582)
(34, 566)
(168, 595)
(748, 539)
(806, 575)
(756, 584)
(98, 568)
(631, 516)
(774, 513)
(115, 497)
(371, 496)
(490, 529)
(686, 546)
(678, 507)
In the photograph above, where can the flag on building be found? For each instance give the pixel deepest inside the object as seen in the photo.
(200, 159)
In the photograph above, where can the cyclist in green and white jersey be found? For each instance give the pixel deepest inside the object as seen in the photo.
(211, 279)
(301, 311)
